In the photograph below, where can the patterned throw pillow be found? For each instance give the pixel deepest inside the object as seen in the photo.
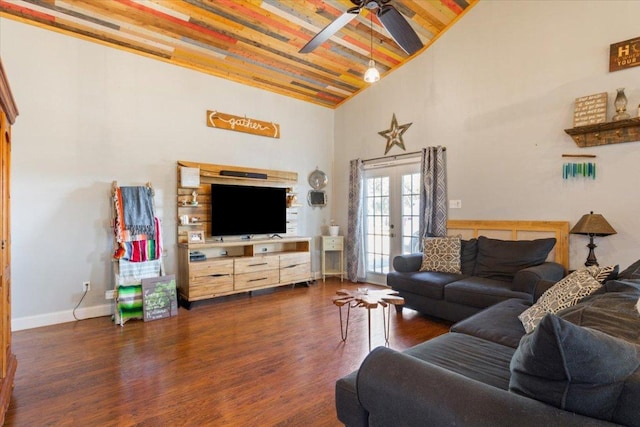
(602, 274)
(566, 293)
(441, 254)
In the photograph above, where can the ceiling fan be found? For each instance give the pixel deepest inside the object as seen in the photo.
(391, 19)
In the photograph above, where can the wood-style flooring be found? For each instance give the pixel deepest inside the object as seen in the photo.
(269, 359)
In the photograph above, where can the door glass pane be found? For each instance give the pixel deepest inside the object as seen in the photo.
(410, 207)
(377, 233)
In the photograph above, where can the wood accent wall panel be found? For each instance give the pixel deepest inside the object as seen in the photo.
(515, 230)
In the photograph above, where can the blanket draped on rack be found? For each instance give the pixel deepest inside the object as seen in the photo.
(129, 278)
(136, 228)
(137, 204)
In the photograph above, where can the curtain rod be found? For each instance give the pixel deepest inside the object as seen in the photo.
(397, 156)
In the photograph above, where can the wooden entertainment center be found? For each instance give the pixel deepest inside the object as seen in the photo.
(210, 267)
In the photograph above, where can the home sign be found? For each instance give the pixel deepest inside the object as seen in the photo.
(624, 54)
(216, 119)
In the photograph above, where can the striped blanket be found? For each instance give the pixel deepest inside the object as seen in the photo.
(136, 242)
(129, 281)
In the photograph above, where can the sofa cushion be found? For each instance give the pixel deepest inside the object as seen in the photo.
(480, 292)
(573, 368)
(502, 259)
(613, 313)
(567, 292)
(468, 255)
(498, 323)
(473, 357)
(427, 283)
(441, 254)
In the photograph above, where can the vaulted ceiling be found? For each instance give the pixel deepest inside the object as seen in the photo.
(253, 42)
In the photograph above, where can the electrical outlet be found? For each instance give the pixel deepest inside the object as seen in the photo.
(86, 286)
(109, 294)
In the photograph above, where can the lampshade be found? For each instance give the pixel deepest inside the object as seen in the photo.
(372, 75)
(593, 224)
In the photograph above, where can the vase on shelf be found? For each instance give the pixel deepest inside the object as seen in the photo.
(621, 106)
(334, 230)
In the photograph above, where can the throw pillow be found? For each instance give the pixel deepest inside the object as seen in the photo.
(573, 368)
(565, 293)
(441, 254)
(631, 272)
(603, 274)
(502, 259)
(468, 255)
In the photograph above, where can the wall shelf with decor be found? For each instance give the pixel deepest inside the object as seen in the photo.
(206, 174)
(606, 133)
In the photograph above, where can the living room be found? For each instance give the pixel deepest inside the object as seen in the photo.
(497, 89)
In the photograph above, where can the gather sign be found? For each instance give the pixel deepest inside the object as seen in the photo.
(216, 119)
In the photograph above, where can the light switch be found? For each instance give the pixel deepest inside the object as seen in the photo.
(455, 204)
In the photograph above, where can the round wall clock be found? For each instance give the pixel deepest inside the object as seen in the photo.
(318, 179)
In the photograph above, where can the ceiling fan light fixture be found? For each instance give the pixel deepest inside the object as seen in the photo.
(372, 74)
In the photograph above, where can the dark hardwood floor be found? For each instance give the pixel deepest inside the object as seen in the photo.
(263, 360)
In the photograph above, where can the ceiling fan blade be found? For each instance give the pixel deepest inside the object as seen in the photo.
(330, 29)
(399, 29)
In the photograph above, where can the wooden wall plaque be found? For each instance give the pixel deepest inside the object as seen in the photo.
(624, 54)
(216, 119)
(590, 109)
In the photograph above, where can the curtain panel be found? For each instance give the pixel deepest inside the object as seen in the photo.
(433, 195)
(355, 227)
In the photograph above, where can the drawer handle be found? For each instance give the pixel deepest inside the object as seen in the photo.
(291, 266)
(257, 280)
(255, 265)
(219, 275)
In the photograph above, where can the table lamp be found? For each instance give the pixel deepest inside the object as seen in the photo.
(592, 225)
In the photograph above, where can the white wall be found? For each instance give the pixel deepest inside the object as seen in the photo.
(90, 115)
(498, 90)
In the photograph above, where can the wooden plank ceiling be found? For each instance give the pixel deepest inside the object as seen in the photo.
(253, 42)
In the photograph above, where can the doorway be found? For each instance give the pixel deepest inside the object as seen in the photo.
(391, 215)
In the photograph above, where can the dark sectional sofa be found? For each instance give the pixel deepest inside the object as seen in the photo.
(491, 271)
(579, 367)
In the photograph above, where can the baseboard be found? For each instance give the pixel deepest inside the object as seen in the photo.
(29, 322)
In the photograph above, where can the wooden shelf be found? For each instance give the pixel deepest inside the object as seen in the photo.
(606, 133)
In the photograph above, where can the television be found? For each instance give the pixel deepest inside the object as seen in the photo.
(245, 210)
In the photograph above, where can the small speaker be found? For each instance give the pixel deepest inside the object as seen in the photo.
(241, 174)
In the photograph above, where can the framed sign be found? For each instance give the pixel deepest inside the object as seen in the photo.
(590, 109)
(159, 297)
(216, 119)
(624, 54)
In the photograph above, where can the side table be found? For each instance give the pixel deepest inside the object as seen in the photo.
(369, 299)
(333, 245)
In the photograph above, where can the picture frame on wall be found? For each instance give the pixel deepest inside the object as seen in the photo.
(196, 236)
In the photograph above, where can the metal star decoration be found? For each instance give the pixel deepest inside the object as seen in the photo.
(394, 134)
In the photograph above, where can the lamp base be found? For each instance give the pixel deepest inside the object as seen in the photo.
(591, 258)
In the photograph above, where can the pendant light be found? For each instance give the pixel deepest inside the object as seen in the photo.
(371, 75)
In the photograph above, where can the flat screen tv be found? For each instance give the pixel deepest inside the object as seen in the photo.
(245, 210)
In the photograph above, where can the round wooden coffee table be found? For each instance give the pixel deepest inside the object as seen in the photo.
(369, 299)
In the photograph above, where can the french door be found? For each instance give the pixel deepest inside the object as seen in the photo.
(391, 217)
